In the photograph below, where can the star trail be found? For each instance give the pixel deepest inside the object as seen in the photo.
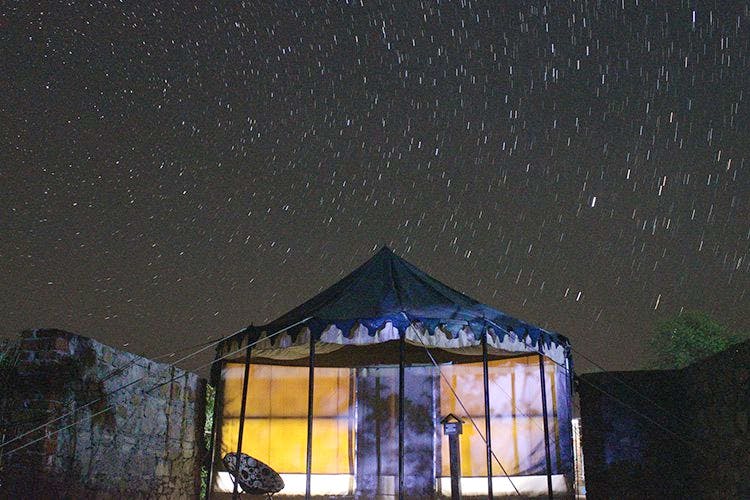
(174, 173)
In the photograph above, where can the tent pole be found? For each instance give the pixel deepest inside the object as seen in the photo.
(310, 408)
(218, 399)
(487, 431)
(245, 381)
(571, 381)
(547, 457)
(401, 362)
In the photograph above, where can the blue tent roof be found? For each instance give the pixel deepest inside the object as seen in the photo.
(387, 288)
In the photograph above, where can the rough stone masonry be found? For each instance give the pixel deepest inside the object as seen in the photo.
(129, 432)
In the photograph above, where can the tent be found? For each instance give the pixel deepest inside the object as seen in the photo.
(344, 395)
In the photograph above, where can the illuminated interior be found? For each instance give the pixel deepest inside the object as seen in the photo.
(516, 422)
(275, 430)
(355, 425)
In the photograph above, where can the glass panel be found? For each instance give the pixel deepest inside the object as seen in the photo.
(333, 421)
(420, 421)
(355, 422)
(516, 422)
(287, 394)
(377, 431)
(275, 430)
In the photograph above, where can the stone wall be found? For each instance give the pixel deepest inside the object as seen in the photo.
(129, 433)
(687, 438)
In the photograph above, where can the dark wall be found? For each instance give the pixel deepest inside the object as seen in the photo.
(668, 434)
(718, 404)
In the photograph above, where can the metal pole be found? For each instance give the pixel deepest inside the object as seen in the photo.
(401, 362)
(310, 409)
(454, 453)
(218, 398)
(546, 425)
(245, 380)
(571, 447)
(487, 430)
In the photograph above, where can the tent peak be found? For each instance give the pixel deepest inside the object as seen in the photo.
(385, 249)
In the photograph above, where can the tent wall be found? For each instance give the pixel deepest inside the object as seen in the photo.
(515, 416)
(355, 425)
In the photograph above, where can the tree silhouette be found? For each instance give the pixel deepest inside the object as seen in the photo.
(685, 338)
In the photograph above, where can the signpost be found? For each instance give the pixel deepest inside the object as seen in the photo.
(453, 427)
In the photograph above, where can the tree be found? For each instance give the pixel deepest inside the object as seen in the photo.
(682, 339)
(207, 434)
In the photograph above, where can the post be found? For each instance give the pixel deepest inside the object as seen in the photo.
(571, 381)
(245, 381)
(453, 427)
(546, 425)
(487, 429)
(455, 456)
(401, 373)
(310, 409)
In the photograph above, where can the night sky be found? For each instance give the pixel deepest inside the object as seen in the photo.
(174, 174)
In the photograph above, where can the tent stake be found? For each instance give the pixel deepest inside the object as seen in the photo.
(401, 362)
(546, 424)
(245, 381)
(487, 431)
(310, 409)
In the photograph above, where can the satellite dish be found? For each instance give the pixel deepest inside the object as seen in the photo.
(253, 476)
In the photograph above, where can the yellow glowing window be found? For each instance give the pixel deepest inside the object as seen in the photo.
(516, 423)
(275, 429)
